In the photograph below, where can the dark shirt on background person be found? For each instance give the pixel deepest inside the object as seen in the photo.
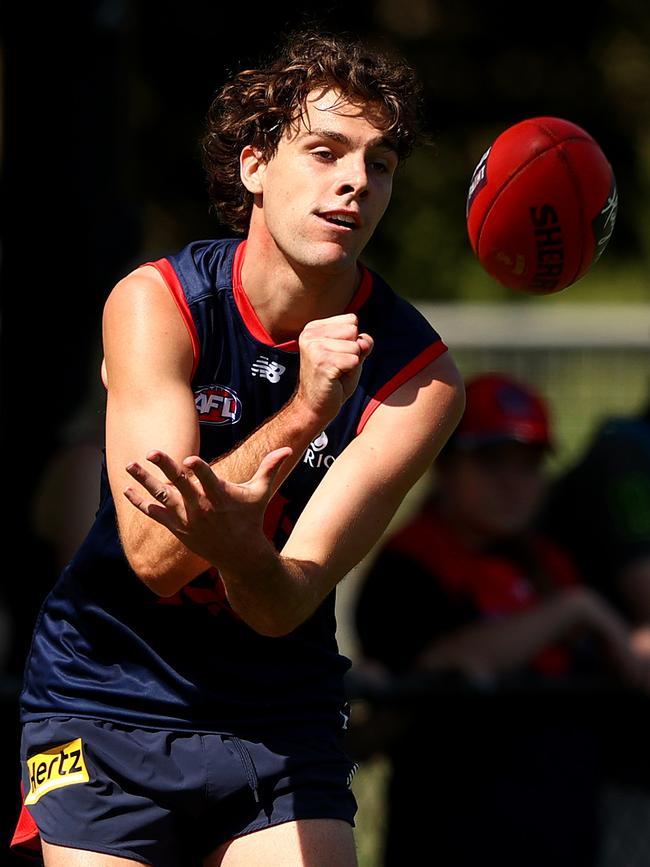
(599, 511)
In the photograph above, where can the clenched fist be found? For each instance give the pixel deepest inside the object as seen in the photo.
(332, 352)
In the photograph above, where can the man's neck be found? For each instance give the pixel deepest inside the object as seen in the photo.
(285, 296)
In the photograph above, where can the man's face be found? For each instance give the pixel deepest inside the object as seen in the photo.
(327, 186)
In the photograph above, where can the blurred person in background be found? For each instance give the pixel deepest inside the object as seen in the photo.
(599, 511)
(497, 773)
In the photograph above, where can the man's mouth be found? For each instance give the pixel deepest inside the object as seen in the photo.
(337, 218)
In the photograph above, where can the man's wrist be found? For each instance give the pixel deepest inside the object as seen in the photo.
(259, 589)
(253, 557)
(305, 416)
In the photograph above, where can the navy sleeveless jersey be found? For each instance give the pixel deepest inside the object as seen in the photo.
(107, 647)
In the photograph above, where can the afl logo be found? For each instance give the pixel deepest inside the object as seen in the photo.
(217, 404)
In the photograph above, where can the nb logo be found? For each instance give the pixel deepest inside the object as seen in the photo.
(266, 369)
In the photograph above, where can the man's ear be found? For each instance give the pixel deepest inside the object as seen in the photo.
(251, 169)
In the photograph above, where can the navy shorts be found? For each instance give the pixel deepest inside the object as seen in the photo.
(170, 798)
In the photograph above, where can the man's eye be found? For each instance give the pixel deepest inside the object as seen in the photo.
(325, 155)
(379, 166)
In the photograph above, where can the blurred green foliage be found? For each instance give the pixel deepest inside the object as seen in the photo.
(485, 67)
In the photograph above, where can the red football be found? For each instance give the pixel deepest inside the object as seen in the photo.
(541, 205)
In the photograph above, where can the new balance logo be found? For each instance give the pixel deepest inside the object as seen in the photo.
(266, 369)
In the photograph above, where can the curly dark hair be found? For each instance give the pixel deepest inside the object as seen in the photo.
(257, 105)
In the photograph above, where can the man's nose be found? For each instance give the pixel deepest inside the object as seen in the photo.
(354, 178)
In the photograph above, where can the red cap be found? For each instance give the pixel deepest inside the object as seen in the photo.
(500, 408)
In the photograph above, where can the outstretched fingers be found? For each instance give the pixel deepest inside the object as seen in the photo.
(179, 475)
(262, 481)
(212, 485)
(178, 490)
(259, 484)
(159, 513)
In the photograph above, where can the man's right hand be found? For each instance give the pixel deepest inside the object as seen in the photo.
(332, 352)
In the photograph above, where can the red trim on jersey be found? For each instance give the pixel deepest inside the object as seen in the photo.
(363, 291)
(166, 270)
(250, 317)
(407, 372)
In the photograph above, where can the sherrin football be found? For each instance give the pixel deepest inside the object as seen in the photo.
(541, 205)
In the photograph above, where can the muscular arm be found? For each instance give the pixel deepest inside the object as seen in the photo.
(275, 592)
(148, 363)
(147, 366)
(351, 508)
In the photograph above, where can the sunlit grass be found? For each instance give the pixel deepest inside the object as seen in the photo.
(369, 787)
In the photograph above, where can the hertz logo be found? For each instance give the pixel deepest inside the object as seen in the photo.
(60, 766)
